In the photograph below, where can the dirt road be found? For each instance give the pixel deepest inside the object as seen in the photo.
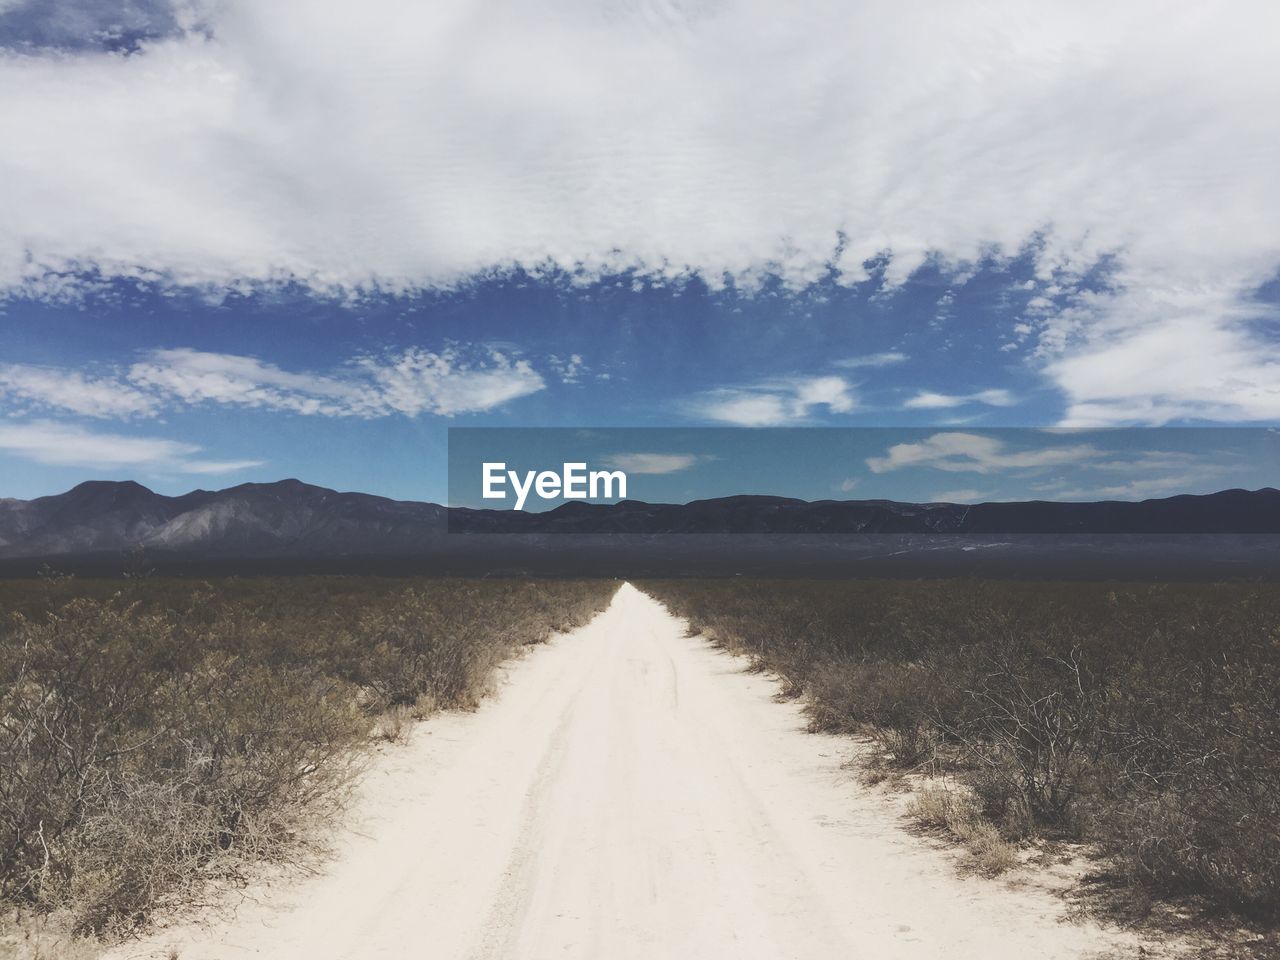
(631, 793)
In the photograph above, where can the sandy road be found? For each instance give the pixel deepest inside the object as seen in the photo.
(630, 794)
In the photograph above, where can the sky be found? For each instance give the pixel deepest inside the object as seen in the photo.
(248, 241)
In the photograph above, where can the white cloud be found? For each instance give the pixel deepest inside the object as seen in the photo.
(774, 403)
(886, 359)
(1175, 357)
(569, 369)
(446, 384)
(834, 393)
(69, 445)
(966, 495)
(193, 376)
(1144, 474)
(975, 453)
(394, 144)
(848, 484)
(53, 388)
(1128, 475)
(653, 463)
(927, 400)
(745, 409)
(412, 382)
(1142, 488)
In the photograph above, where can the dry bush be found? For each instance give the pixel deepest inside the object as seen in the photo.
(1029, 723)
(159, 733)
(909, 747)
(1142, 717)
(394, 724)
(960, 815)
(896, 703)
(133, 756)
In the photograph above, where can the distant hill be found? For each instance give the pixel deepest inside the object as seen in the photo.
(1231, 511)
(253, 519)
(292, 526)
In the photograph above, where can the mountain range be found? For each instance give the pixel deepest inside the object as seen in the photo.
(1230, 511)
(290, 525)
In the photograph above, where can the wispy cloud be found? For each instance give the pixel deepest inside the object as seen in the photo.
(963, 495)
(1141, 489)
(570, 369)
(1091, 472)
(446, 384)
(887, 359)
(410, 382)
(975, 453)
(189, 377)
(1189, 354)
(777, 402)
(653, 463)
(927, 400)
(63, 444)
(52, 388)
(1136, 476)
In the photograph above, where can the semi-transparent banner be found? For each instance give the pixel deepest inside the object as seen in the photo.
(956, 481)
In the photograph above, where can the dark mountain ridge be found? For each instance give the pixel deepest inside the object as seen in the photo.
(1229, 511)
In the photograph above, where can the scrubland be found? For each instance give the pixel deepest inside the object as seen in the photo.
(157, 734)
(633, 793)
(1144, 719)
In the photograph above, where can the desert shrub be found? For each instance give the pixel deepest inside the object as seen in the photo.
(131, 756)
(1001, 801)
(880, 693)
(154, 734)
(442, 648)
(1029, 717)
(394, 724)
(1195, 801)
(143, 841)
(960, 815)
(893, 702)
(1143, 717)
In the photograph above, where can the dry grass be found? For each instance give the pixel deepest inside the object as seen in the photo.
(1143, 719)
(960, 815)
(158, 734)
(395, 723)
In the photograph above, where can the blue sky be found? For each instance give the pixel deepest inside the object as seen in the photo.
(238, 250)
(289, 385)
